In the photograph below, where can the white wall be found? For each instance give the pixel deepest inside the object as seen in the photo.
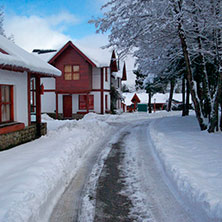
(97, 101)
(107, 84)
(75, 103)
(109, 102)
(96, 78)
(19, 82)
(49, 83)
(48, 99)
(48, 102)
(60, 103)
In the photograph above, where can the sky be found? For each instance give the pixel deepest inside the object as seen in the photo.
(49, 24)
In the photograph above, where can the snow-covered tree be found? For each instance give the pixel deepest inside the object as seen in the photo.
(162, 32)
(2, 32)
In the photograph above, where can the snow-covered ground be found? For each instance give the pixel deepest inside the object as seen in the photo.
(191, 159)
(34, 175)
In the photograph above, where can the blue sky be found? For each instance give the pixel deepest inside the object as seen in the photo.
(81, 10)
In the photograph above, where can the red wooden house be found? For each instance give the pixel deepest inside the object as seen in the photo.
(18, 69)
(83, 87)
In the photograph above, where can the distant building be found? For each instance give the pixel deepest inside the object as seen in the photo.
(158, 101)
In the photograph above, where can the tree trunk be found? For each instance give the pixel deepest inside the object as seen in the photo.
(189, 72)
(187, 100)
(204, 92)
(214, 123)
(214, 113)
(220, 114)
(183, 96)
(149, 102)
(172, 85)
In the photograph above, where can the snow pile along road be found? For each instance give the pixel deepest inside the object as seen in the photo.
(191, 159)
(34, 175)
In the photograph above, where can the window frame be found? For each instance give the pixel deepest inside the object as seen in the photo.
(91, 100)
(11, 103)
(72, 72)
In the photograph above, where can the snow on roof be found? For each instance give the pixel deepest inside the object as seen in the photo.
(117, 74)
(100, 57)
(158, 97)
(18, 57)
(45, 56)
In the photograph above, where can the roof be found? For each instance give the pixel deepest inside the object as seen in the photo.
(95, 56)
(158, 97)
(135, 99)
(15, 57)
(124, 78)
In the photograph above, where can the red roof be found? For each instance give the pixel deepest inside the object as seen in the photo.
(124, 72)
(70, 44)
(113, 63)
(135, 99)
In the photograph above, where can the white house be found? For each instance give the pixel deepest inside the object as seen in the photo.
(18, 69)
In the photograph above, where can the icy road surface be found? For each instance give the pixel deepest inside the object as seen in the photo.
(126, 166)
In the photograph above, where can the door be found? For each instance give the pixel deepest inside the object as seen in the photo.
(67, 106)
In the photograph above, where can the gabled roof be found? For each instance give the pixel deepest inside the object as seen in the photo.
(12, 57)
(135, 99)
(124, 72)
(113, 63)
(70, 44)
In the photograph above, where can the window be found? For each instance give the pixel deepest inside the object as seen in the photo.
(71, 72)
(83, 102)
(91, 102)
(6, 103)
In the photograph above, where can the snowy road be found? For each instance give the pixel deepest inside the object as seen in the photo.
(143, 185)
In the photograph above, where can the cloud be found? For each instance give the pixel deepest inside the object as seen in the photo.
(37, 32)
(62, 18)
(45, 33)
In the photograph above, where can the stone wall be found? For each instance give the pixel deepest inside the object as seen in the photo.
(27, 134)
(60, 116)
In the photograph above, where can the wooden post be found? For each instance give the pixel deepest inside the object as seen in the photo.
(102, 91)
(87, 102)
(29, 97)
(38, 106)
(57, 115)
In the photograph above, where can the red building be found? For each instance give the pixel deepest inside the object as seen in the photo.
(83, 87)
(85, 84)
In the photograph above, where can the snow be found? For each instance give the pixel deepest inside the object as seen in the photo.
(34, 175)
(18, 57)
(192, 161)
(100, 57)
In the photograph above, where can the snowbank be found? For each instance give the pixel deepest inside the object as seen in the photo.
(191, 159)
(34, 175)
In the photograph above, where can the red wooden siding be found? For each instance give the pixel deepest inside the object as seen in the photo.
(83, 102)
(67, 106)
(72, 57)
